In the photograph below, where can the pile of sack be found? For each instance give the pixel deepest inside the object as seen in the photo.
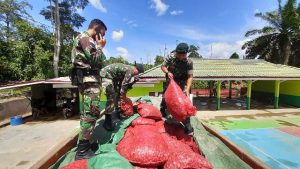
(151, 143)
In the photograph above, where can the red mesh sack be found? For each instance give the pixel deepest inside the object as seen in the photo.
(79, 164)
(149, 111)
(189, 140)
(137, 167)
(178, 131)
(127, 107)
(160, 126)
(187, 160)
(175, 145)
(145, 148)
(178, 104)
(142, 121)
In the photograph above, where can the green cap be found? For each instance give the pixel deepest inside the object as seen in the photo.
(139, 67)
(182, 48)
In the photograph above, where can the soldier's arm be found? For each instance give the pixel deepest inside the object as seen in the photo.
(190, 78)
(125, 83)
(91, 52)
(165, 64)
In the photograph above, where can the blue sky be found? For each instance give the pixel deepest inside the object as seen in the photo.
(140, 29)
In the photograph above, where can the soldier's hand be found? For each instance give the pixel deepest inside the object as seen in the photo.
(187, 93)
(122, 97)
(101, 41)
(170, 75)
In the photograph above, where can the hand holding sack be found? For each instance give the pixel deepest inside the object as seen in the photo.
(178, 104)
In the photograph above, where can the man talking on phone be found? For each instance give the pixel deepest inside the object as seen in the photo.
(88, 59)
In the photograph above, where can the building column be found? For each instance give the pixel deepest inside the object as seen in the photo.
(218, 95)
(230, 89)
(276, 98)
(248, 100)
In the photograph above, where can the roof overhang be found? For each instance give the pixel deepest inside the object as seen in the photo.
(156, 79)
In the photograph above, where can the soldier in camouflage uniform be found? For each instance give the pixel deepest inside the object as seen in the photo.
(179, 67)
(118, 78)
(88, 59)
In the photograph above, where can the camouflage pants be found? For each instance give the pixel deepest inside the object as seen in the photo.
(111, 89)
(89, 108)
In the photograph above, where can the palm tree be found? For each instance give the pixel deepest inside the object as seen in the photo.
(276, 41)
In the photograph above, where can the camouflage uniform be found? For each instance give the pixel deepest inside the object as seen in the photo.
(180, 69)
(117, 77)
(86, 54)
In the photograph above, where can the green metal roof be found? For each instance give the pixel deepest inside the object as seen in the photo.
(234, 69)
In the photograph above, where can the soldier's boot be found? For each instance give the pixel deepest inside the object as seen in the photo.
(121, 116)
(188, 129)
(116, 117)
(109, 124)
(84, 150)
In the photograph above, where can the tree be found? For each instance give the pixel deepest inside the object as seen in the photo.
(234, 56)
(10, 12)
(119, 59)
(193, 50)
(28, 56)
(277, 41)
(63, 13)
(158, 60)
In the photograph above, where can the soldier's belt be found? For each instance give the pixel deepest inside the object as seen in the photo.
(78, 75)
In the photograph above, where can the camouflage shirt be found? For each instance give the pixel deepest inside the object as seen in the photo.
(85, 52)
(180, 68)
(119, 72)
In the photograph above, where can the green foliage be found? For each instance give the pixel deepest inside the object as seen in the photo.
(10, 12)
(147, 66)
(200, 84)
(28, 56)
(69, 17)
(234, 56)
(193, 50)
(119, 59)
(277, 42)
(158, 60)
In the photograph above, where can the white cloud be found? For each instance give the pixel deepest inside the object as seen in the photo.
(198, 35)
(117, 35)
(98, 5)
(222, 50)
(176, 12)
(160, 7)
(79, 11)
(123, 52)
(131, 23)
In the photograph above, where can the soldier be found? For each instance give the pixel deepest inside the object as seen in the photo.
(88, 59)
(118, 79)
(179, 67)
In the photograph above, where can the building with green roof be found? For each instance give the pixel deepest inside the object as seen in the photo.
(262, 77)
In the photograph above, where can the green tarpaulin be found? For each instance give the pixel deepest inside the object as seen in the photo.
(220, 156)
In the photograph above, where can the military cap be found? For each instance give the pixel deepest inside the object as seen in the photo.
(139, 67)
(182, 48)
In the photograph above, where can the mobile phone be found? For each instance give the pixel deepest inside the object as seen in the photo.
(98, 32)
